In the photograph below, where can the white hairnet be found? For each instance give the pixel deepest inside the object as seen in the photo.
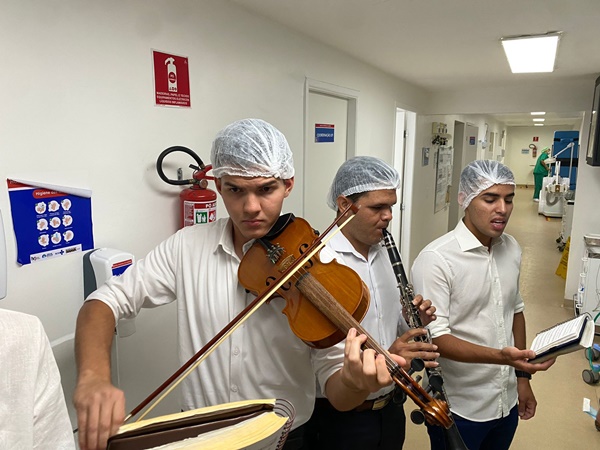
(251, 148)
(362, 174)
(480, 175)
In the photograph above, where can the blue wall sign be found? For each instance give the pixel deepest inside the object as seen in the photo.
(324, 132)
(48, 223)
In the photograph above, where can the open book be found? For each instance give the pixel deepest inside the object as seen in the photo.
(253, 425)
(564, 337)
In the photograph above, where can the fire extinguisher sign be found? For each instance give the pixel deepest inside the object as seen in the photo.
(171, 80)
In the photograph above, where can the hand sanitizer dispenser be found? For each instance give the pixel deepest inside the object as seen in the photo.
(98, 266)
(3, 269)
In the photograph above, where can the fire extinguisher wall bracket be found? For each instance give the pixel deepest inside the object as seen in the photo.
(198, 204)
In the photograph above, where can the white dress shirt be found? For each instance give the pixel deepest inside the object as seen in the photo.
(33, 412)
(476, 295)
(383, 320)
(198, 267)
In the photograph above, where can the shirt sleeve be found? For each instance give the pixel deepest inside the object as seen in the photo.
(149, 282)
(51, 423)
(431, 278)
(326, 362)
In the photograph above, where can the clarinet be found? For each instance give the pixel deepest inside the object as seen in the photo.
(436, 382)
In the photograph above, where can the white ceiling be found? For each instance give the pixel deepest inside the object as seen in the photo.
(447, 44)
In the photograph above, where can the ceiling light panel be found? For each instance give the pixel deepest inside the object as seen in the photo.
(531, 54)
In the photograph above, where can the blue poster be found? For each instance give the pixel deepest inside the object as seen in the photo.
(324, 132)
(49, 223)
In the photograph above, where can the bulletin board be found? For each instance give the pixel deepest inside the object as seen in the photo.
(443, 178)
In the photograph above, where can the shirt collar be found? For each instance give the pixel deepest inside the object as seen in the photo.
(340, 244)
(467, 240)
(226, 239)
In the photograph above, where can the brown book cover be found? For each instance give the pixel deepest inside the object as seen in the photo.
(259, 424)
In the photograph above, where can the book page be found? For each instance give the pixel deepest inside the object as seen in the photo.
(193, 412)
(258, 433)
(560, 334)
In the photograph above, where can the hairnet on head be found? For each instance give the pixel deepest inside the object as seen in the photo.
(251, 148)
(480, 175)
(362, 174)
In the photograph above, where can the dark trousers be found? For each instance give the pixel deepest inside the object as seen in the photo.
(295, 440)
(491, 435)
(351, 430)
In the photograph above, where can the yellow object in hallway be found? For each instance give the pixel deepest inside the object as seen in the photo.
(561, 270)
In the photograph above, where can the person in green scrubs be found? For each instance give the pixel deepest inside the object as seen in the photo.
(539, 172)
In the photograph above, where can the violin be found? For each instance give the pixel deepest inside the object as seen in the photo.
(323, 301)
(285, 263)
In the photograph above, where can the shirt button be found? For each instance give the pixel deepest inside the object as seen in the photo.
(236, 351)
(234, 388)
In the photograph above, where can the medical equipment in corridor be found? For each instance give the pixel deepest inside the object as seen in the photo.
(588, 292)
(198, 204)
(565, 150)
(555, 188)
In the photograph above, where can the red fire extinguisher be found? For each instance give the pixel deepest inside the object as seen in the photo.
(198, 204)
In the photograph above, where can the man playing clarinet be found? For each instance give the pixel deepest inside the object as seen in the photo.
(379, 422)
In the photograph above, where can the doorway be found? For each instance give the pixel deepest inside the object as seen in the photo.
(404, 163)
(330, 139)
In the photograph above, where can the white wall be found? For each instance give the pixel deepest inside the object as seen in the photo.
(553, 94)
(586, 214)
(78, 109)
(519, 138)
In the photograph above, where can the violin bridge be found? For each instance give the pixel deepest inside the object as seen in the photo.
(287, 262)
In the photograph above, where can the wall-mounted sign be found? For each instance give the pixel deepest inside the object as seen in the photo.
(324, 132)
(49, 221)
(171, 80)
(471, 140)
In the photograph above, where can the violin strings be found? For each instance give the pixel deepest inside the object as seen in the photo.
(347, 321)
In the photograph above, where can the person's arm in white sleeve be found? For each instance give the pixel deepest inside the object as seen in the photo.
(51, 423)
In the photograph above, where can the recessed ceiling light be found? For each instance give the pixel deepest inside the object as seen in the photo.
(538, 124)
(539, 120)
(539, 113)
(531, 54)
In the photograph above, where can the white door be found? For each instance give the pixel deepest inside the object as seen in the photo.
(326, 150)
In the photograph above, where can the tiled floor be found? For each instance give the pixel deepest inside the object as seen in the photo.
(559, 422)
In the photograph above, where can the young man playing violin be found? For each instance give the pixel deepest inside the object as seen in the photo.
(472, 275)
(198, 266)
(378, 422)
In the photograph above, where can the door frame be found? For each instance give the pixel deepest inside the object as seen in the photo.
(351, 95)
(404, 162)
